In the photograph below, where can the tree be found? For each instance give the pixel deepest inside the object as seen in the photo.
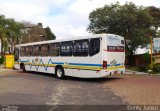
(34, 33)
(2, 33)
(13, 32)
(128, 20)
(10, 33)
(155, 13)
(49, 34)
(26, 32)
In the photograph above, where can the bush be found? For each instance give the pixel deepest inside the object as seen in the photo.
(156, 67)
(149, 67)
(142, 68)
(1, 60)
(133, 68)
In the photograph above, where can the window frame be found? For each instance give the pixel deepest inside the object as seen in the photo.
(29, 52)
(36, 52)
(23, 52)
(81, 51)
(46, 51)
(52, 51)
(70, 50)
(93, 52)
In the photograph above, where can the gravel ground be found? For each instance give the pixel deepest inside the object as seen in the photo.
(34, 88)
(137, 89)
(119, 89)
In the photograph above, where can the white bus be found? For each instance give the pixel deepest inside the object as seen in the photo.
(93, 56)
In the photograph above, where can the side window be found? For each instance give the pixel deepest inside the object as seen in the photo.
(44, 49)
(94, 46)
(22, 51)
(81, 48)
(29, 51)
(54, 49)
(66, 48)
(36, 50)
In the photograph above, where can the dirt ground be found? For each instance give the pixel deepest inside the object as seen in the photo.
(137, 89)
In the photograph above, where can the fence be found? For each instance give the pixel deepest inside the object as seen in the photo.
(139, 60)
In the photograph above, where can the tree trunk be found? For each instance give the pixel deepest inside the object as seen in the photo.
(131, 59)
(2, 48)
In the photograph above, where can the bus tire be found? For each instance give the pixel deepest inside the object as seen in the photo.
(60, 72)
(23, 68)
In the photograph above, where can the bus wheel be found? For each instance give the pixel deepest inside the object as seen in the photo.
(23, 68)
(60, 73)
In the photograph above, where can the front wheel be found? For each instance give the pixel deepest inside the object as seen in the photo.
(60, 73)
(23, 68)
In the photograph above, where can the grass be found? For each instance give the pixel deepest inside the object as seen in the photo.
(140, 69)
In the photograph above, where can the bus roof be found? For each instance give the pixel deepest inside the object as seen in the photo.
(61, 40)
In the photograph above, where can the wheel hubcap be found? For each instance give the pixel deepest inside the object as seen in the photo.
(59, 72)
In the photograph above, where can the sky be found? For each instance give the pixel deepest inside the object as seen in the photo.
(66, 18)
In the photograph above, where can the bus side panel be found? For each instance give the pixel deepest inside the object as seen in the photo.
(40, 64)
(83, 73)
(84, 67)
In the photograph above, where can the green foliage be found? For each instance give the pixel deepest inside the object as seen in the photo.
(128, 20)
(149, 67)
(134, 68)
(155, 13)
(49, 34)
(156, 67)
(13, 33)
(142, 68)
(145, 68)
(1, 60)
(36, 33)
(146, 57)
(10, 32)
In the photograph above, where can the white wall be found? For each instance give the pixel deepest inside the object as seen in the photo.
(140, 50)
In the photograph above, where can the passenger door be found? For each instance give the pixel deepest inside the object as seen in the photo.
(16, 54)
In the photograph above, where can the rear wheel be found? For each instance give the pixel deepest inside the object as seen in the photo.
(60, 73)
(23, 68)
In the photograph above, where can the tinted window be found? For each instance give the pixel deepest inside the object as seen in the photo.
(29, 51)
(44, 50)
(66, 48)
(94, 47)
(36, 50)
(54, 49)
(16, 54)
(81, 48)
(22, 51)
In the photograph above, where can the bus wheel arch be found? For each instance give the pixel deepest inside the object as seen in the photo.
(59, 71)
(22, 66)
